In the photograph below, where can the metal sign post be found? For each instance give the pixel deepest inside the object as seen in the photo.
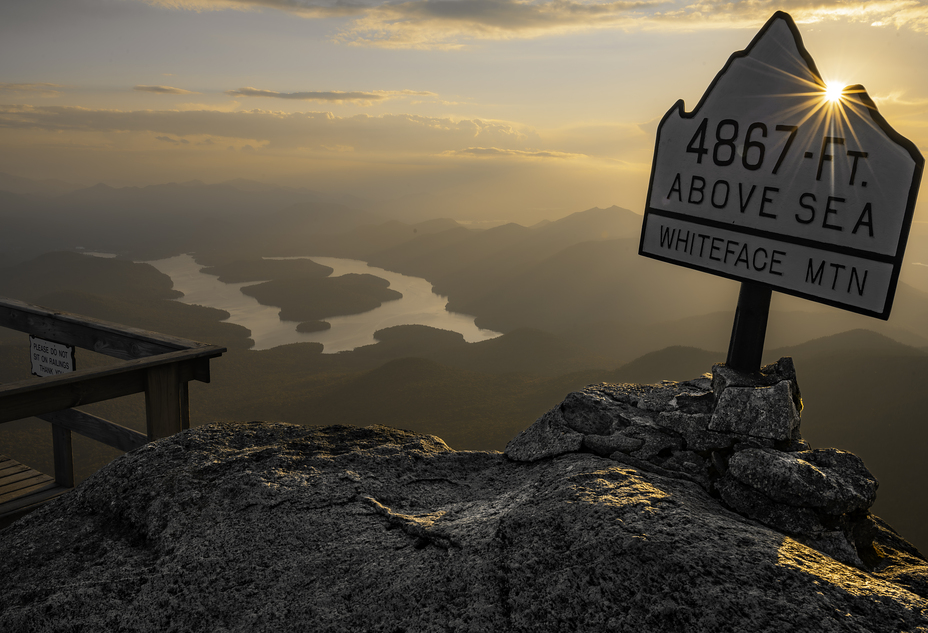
(750, 328)
(778, 183)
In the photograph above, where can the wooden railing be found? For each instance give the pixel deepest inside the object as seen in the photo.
(161, 366)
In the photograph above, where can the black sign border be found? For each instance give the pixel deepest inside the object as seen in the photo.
(876, 117)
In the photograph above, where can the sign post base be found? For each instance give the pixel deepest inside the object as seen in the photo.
(750, 328)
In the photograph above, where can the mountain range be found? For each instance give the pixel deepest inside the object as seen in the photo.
(575, 303)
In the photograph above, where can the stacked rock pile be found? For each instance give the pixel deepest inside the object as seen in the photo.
(736, 435)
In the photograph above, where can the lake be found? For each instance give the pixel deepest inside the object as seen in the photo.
(419, 306)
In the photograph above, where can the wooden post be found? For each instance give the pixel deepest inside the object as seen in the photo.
(185, 405)
(63, 457)
(163, 402)
(746, 347)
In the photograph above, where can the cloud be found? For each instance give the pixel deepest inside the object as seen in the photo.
(34, 89)
(304, 8)
(390, 134)
(615, 142)
(325, 135)
(334, 96)
(650, 127)
(898, 98)
(168, 139)
(230, 106)
(510, 153)
(167, 90)
(453, 24)
(443, 24)
(723, 13)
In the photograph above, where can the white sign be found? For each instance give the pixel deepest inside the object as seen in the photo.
(49, 358)
(771, 179)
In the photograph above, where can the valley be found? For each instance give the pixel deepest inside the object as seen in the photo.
(575, 305)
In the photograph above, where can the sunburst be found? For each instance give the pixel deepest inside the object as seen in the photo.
(834, 91)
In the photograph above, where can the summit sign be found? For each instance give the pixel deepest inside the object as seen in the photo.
(775, 179)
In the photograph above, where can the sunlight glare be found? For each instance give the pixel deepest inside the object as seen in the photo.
(833, 91)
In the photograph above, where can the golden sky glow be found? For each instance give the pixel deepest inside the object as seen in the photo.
(501, 109)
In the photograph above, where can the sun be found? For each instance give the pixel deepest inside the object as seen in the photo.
(833, 91)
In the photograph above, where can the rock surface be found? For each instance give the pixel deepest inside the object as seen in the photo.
(738, 436)
(275, 527)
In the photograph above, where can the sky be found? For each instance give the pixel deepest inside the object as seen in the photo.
(506, 109)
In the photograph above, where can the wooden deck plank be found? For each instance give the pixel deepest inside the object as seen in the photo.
(32, 477)
(38, 485)
(6, 471)
(14, 482)
(4, 459)
(32, 500)
(23, 489)
(39, 492)
(9, 466)
(13, 473)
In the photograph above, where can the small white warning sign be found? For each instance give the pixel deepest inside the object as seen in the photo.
(49, 358)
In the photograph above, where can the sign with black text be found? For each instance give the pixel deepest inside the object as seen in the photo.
(774, 179)
(49, 358)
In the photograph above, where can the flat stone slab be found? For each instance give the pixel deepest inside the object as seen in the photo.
(763, 412)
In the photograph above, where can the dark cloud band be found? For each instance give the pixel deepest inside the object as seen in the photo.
(333, 96)
(451, 23)
(304, 130)
(167, 90)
